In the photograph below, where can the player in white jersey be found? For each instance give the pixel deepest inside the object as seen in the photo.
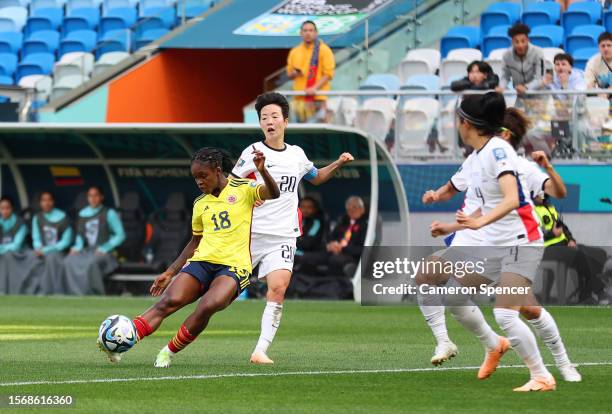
(512, 237)
(276, 223)
(514, 128)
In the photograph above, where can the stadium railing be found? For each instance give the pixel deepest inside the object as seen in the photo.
(421, 124)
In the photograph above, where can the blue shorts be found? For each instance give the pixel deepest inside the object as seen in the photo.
(206, 272)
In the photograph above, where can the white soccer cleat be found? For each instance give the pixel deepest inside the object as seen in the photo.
(569, 373)
(259, 357)
(444, 351)
(112, 356)
(164, 358)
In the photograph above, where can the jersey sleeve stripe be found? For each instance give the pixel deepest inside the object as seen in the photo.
(198, 198)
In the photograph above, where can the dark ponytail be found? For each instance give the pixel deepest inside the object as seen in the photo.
(484, 112)
(517, 123)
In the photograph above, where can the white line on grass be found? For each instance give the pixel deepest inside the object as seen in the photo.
(265, 374)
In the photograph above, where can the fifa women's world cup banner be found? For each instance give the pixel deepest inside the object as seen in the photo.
(331, 17)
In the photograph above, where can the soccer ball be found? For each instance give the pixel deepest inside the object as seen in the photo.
(117, 333)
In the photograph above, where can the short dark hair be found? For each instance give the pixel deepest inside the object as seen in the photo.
(7, 199)
(305, 22)
(519, 29)
(564, 56)
(483, 67)
(42, 193)
(92, 187)
(517, 123)
(272, 98)
(484, 112)
(604, 36)
(215, 157)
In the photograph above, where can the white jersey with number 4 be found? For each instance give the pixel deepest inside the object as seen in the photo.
(287, 167)
(461, 182)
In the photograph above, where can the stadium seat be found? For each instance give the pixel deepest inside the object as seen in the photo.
(40, 83)
(147, 4)
(43, 19)
(108, 60)
(427, 82)
(66, 84)
(157, 18)
(385, 81)
(375, 117)
(495, 60)
(578, 14)
(466, 54)
(607, 20)
(6, 80)
(116, 4)
(17, 15)
(458, 64)
(460, 37)
(46, 4)
(497, 14)
(169, 225)
(419, 61)
(582, 56)
(10, 3)
(75, 63)
(547, 36)
(118, 19)
(114, 41)
(542, 13)
(8, 64)
(195, 11)
(78, 41)
(42, 41)
(81, 19)
(72, 5)
(134, 223)
(583, 36)
(496, 39)
(414, 124)
(150, 36)
(35, 64)
(11, 42)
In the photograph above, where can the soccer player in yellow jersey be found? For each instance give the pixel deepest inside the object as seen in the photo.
(218, 255)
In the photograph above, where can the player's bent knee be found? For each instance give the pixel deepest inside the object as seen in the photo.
(531, 312)
(168, 304)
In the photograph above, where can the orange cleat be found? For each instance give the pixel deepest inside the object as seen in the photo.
(538, 384)
(261, 358)
(492, 358)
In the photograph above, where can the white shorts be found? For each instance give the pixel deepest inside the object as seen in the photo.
(272, 253)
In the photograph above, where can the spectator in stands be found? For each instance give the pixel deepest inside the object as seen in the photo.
(480, 76)
(51, 237)
(313, 228)
(523, 63)
(98, 232)
(564, 77)
(311, 65)
(598, 72)
(16, 264)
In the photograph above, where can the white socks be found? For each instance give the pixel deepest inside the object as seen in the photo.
(472, 319)
(522, 340)
(547, 330)
(433, 312)
(269, 325)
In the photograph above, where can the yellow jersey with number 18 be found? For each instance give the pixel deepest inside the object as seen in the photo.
(224, 222)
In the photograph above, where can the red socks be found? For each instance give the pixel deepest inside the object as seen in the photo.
(142, 327)
(180, 340)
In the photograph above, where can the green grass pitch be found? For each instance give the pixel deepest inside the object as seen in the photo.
(330, 357)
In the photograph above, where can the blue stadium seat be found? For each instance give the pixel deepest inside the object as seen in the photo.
(117, 19)
(9, 3)
(148, 4)
(46, 4)
(114, 41)
(385, 81)
(460, 37)
(496, 39)
(8, 64)
(82, 4)
(578, 14)
(427, 82)
(44, 19)
(582, 37)
(607, 20)
(150, 36)
(18, 15)
(582, 56)
(541, 13)
(11, 42)
(43, 41)
(497, 14)
(6, 80)
(547, 36)
(194, 11)
(35, 64)
(166, 15)
(81, 19)
(78, 41)
(116, 4)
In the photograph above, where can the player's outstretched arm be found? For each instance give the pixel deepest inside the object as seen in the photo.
(444, 193)
(270, 189)
(325, 173)
(555, 186)
(163, 280)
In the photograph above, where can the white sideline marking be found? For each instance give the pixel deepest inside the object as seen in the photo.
(267, 374)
